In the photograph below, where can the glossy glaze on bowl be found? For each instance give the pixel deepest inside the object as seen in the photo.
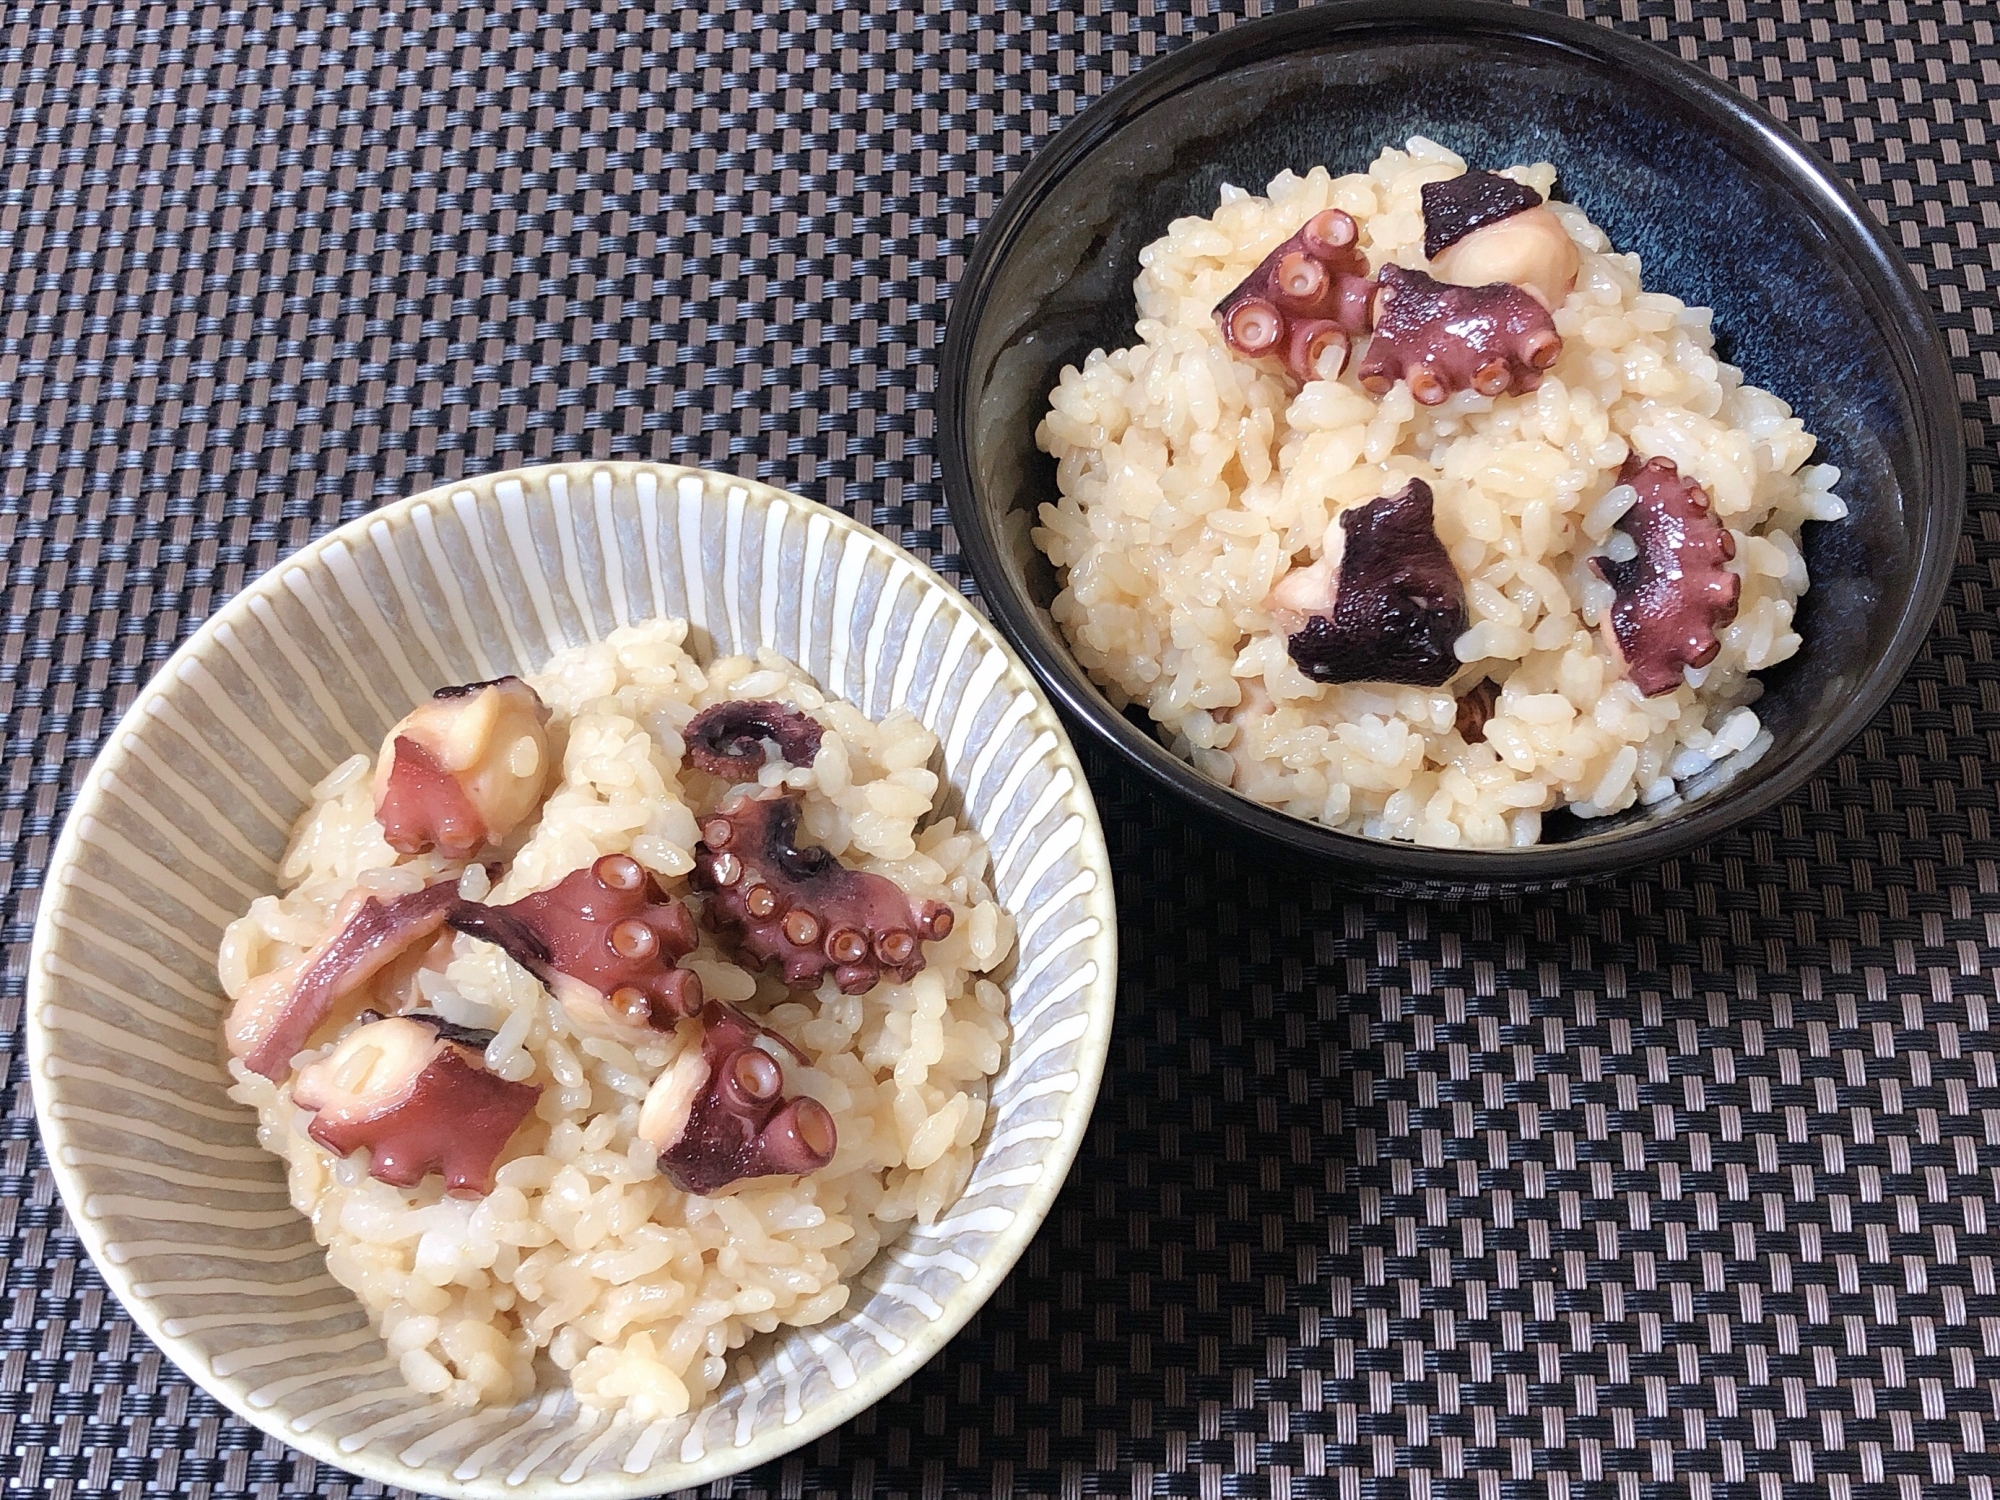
(190, 806)
(1725, 208)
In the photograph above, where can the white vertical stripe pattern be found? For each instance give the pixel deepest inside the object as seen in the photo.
(314, 661)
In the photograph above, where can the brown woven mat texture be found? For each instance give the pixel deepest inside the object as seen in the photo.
(1683, 1184)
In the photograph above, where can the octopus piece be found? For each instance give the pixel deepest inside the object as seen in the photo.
(719, 1114)
(727, 739)
(1383, 603)
(1482, 228)
(413, 1091)
(1475, 707)
(277, 1014)
(782, 902)
(463, 770)
(1305, 300)
(604, 939)
(1675, 594)
(1494, 339)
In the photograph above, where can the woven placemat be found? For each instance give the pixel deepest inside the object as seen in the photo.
(1678, 1185)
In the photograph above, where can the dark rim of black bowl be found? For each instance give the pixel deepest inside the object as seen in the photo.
(1939, 443)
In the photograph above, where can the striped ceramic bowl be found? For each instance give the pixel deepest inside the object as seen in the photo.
(188, 809)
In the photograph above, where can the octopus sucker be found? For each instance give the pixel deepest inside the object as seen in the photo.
(1481, 228)
(720, 1115)
(1674, 595)
(1442, 339)
(1383, 603)
(1305, 300)
(276, 1016)
(727, 739)
(414, 1092)
(464, 770)
(799, 906)
(604, 939)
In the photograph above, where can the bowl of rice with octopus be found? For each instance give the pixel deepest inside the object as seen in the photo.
(643, 1021)
(1398, 496)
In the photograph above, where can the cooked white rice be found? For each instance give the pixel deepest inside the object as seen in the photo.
(584, 1263)
(1192, 479)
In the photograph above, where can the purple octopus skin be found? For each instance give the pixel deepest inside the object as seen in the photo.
(1475, 709)
(1674, 596)
(1496, 339)
(1398, 605)
(376, 933)
(1308, 296)
(425, 1102)
(423, 807)
(741, 1124)
(1458, 205)
(727, 739)
(607, 928)
(781, 902)
(424, 804)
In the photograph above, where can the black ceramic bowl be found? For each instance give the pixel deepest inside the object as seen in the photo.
(1727, 210)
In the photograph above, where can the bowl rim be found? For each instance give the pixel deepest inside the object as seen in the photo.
(1031, 1210)
(1923, 368)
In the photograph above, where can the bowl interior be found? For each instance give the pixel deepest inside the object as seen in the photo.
(1804, 303)
(189, 810)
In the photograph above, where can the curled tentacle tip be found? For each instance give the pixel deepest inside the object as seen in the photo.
(727, 739)
(781, 901)
(723, 1116)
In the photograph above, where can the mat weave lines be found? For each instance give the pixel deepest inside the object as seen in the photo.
(1679, 1185)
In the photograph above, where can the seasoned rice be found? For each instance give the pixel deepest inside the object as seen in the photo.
(584, 1264)
(1192, 479)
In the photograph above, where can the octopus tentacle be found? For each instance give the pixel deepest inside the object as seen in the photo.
(1304, 301)
(727, 739)
(1675, 594)
(1493, 339)
(413, 1091)
(276, 1016)
(605, 940)
(721, 1115)
(798, 905)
